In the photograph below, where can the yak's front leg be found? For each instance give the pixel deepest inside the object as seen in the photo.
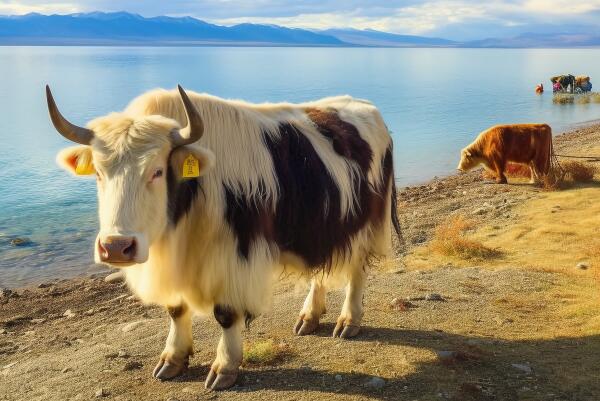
(224, 370)
(314, 307)
(348, 323)
(179, 346)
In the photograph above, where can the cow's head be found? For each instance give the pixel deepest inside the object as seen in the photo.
(131, 157)
(468, 160)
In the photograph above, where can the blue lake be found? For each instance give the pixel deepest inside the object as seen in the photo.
(433, 100)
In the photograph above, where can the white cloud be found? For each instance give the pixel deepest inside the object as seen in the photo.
(17, 8)
(561, 7)
(457, 19)
(432, 15)
(417, 19)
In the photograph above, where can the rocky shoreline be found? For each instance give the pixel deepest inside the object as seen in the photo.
(88, 337)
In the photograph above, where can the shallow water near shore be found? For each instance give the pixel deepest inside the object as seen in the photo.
(433, 100)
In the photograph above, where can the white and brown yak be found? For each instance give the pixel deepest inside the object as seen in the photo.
(200, 218)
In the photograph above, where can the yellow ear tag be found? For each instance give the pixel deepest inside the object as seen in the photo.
(190, 167)
(84, 168)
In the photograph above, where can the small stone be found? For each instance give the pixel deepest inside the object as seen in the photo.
(44, 285)
(65, 370)
(119, 298)
(123, 354)
(114, 277)
(132, 365)
(131, 326)
(338, 378)
(434, 297)
(100, 393)
(401, 305)
(582, 266)
(2, 331)
(479, 210)
(68, 314)
(38, 321)
(10, 365)
(20, 241)
(5, 293)
(522, 367)
(446, 355)
(375, 383)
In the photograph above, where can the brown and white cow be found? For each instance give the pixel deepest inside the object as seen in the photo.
(200, 218)
(529, 144)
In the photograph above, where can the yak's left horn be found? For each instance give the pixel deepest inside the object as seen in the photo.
(195, 125)
(70, 131)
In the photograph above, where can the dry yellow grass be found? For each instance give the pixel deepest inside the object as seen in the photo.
(450, 240)
(263, 353)
(551, 234)
(569, 98)
(563, 98)
(554, 180)
(578, 171)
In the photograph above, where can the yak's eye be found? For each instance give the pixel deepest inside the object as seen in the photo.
(158, 173)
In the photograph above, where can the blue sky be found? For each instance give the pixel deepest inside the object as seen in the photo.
(453, 19)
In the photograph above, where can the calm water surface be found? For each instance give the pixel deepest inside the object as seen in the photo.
(433, 100)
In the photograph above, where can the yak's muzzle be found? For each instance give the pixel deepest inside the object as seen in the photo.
(117, 249)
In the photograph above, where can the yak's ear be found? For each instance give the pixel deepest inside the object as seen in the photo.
(77, 160)
(467, 153)
(191, 162)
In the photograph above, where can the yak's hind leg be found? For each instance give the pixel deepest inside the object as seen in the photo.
(535, 178)
(179, 346)
(348, 323)
(224, 370)
(314, 307)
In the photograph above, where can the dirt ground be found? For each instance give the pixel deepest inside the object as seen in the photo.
(523, 326)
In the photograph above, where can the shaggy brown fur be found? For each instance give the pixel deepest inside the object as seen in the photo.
(529, 144)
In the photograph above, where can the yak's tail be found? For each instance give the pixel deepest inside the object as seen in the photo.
(394, 213)
(550, 151)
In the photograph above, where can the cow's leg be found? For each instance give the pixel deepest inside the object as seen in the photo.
(224, 370)
(174, 359)
(348, 323)
(499, 167)
(534, 175)
(314, 307)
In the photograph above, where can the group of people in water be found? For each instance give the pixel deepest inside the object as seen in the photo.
(567, 83)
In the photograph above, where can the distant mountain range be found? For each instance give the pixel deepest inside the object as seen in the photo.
(122, 28)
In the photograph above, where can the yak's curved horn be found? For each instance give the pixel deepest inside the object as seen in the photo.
(195, 126)
(70, 131)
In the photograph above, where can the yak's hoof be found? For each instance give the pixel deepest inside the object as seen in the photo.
(166, 370)
(345, 330)
(305, 327)
(220, 381)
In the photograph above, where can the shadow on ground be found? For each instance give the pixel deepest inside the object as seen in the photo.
(473, 368)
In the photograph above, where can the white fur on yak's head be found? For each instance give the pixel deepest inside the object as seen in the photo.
(131, 156)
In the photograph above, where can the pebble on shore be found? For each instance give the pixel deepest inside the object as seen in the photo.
(375, 383)
(20, 241)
